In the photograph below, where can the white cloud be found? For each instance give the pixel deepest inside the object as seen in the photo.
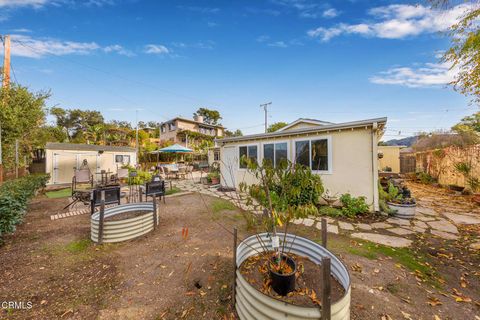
(396, 22)
(24, 3)
(119, 50)
(41, 3)
(330, 13)
(427, 75)
(156, 49)
(305, 8)
(22, 30)
(27, 46)
(209, 44)
(204, 10)
(278, 44)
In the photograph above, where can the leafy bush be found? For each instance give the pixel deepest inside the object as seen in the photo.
(330, 211)
(353, 206)
(141, 178)
(14, 197)
(425, 178)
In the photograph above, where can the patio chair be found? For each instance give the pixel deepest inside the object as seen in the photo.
(82, 183)
(182, 171)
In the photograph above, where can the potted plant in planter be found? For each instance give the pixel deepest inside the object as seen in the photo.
(214, 177)
(287, 192)
(401, 201)
(285, 262)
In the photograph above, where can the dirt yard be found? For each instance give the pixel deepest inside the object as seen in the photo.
(163, 275)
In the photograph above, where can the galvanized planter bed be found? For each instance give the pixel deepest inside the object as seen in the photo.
(404, 211)
(126, 229)
(252, 304)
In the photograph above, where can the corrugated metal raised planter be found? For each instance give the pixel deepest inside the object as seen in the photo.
(404, 211)
(126, 229)
(252, 304)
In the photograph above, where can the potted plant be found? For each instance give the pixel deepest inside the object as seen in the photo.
(283, 260)
(214, 177)
(401, 200)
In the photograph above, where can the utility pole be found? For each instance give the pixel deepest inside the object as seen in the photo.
(136, 133)
(6, 61)
(5, 84)
(265, 106)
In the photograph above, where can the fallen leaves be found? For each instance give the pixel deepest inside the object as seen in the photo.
(356, 267)
(433, 301)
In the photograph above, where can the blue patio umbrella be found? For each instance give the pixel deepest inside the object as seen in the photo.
(176, 148)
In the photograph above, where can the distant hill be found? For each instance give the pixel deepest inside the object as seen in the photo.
(409, 141)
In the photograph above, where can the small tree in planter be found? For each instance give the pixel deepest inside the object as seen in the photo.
(287, 191)
(401, 201)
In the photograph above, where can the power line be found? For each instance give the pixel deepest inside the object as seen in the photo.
(116, 75)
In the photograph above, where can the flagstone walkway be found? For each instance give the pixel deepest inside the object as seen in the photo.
(437, 216)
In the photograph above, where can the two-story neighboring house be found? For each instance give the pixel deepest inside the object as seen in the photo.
(173, 130)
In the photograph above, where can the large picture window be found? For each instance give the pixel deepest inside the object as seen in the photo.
(314, 154)
(302, 153)
(250, 152)
(320, 155)
(275, 153)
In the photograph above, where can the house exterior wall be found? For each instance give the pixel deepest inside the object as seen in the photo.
(67, 160)
(391, 158)
(180, 125)
(353, 162)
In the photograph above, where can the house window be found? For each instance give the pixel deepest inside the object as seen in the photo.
(251, 152)
(275, 153)
(320, 155)
(123, 159)
(302, 153)
(269, 153)
(216, 155)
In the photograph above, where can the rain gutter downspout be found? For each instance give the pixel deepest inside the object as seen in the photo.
(376, 206)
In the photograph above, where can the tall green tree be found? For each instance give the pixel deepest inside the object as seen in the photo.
(469, 124)
(464, 52)
(236, 133)
(209, 116)
(77, 121)
(22, 116)
(276, 126)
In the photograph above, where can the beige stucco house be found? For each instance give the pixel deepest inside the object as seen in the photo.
(389, 158)
(343, 154)
(171, 130)
(61, 159)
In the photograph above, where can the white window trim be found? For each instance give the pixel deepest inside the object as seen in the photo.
(274, 142)
(247, 145)
(329, 147)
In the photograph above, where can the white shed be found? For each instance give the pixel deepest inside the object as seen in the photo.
(63, 158)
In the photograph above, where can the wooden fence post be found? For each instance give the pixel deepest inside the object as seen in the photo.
(102, 213)
(326, 289)
(234, 266)
(154, 211)
(324, 233)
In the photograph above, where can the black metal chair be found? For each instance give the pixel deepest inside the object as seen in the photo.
(112, 196)
(155, 188)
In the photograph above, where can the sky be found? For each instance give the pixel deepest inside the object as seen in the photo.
(330, 60)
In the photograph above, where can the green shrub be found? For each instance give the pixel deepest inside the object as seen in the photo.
(14, 197)
(353, 206)
(330, 211)
(425, 178)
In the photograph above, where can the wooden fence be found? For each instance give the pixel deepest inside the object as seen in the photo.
(441, 163)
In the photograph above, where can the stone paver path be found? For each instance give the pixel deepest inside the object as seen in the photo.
(433, 217)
